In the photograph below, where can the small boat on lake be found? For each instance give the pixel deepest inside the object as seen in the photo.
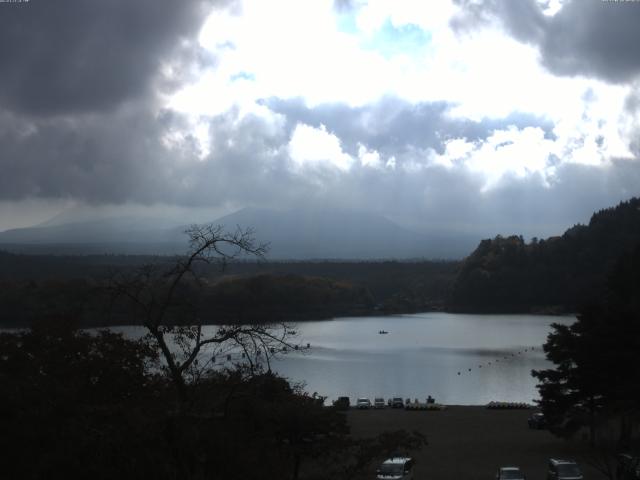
(382, 332)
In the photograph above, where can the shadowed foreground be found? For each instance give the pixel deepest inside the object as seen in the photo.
(472, 442)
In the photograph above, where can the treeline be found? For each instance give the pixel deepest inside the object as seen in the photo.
(394, 286)
(33, 287)
(23, 302)
(15, 266)
(230, 300)
(555, 275)
(267, 297)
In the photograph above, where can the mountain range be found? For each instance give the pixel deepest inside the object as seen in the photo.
(299, 234)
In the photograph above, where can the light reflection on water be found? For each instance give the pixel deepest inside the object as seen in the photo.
(422, 355)
(460, 359)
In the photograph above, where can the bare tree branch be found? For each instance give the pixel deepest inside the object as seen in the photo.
(155, 295)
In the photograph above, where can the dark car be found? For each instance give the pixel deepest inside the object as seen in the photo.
(510, 473)
(396, 402)
(563, 470)
(342, 403)
(628, 467)
(537, 421)
(396, 468)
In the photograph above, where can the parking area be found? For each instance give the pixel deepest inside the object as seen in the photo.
(472, 442)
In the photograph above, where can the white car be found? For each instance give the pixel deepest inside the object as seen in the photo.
(396, 468)
(509, 473)
(378, 402)
(363, 403)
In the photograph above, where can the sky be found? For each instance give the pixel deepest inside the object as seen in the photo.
(469, 116)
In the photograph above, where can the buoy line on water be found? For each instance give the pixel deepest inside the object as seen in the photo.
(505, 357)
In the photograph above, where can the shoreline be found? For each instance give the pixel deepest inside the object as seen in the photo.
(346, 315)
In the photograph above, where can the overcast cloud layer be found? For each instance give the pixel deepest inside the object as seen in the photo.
(478, 116)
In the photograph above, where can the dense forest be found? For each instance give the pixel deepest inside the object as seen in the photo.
(33, 286)
(558, 274)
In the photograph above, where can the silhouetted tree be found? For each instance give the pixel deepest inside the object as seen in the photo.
(596, 375)
(163, 303)
(77, 404)
(91, 404)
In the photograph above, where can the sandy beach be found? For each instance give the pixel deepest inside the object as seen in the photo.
(472, 442)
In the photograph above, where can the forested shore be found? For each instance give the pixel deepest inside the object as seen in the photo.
(506, 274)
(245, 292)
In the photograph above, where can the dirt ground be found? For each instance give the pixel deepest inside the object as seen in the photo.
(472, 442)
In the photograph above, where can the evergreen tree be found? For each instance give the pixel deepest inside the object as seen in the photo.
(596, 375)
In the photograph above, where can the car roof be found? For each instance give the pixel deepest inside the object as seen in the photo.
(558, 461)
(509, 468)
(629, 456)
(397, 460)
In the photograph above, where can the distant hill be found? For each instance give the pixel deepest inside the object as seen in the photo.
(557, 274)
(128, 235)
(341, 234)
(292, 234)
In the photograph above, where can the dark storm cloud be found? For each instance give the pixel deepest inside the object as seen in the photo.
(72, 56)
(594, 38)
(532, 206)
(95, 159)
(248, 164)
(392, 125)
(137, 155)
(79, 119)
(253, 168)
(524, 19)
(120, 158)
(439, 199)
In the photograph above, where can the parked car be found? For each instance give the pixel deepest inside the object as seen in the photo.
(537, 421)
(342, 403)
(378, 402)
(363, 403)
(396, 402)
(628, 467)
(510, 473)
(563, 470)
(396, 468)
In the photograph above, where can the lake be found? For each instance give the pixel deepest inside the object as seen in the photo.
(461, 359)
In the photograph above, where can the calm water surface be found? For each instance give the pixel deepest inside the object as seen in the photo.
(457, 358)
